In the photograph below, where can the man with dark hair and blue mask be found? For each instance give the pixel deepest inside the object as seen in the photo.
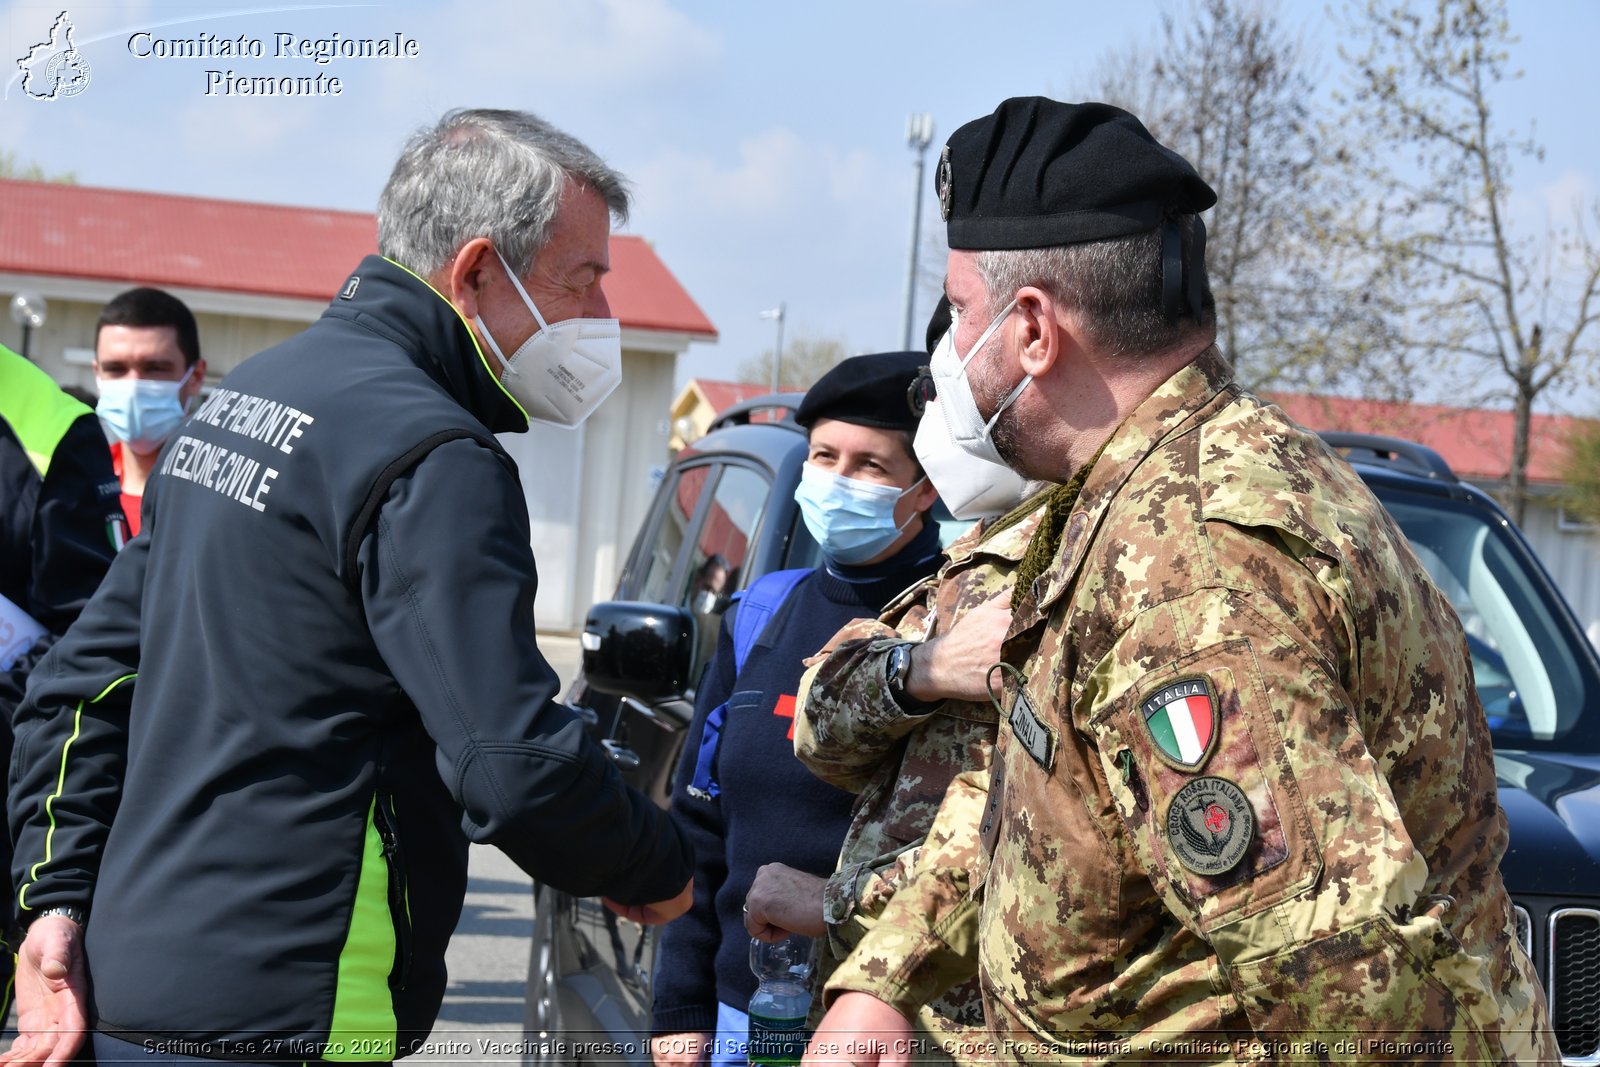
(743, 798)
(148, 368)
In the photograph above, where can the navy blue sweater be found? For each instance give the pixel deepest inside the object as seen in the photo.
(771, 809)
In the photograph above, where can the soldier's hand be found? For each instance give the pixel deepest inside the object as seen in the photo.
(861, 1031)
(784, 901)
(662, 911)
(51, 989)
(680, 1050)
(956, 665)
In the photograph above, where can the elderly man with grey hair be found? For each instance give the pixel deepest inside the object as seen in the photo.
(245, 782)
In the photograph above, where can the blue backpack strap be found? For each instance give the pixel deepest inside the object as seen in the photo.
(757, 605)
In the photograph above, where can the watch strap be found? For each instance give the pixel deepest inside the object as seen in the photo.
(76, 914)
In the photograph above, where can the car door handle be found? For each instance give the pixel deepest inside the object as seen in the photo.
(624, 757)
(589, 716)
(668, 714)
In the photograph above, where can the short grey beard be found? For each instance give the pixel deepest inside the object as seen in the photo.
(1004, 435)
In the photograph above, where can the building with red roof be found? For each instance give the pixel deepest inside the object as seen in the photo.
(701, 400)
(255, 274)
(1476, 442)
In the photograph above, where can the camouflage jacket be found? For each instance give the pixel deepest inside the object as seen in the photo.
(1244, 809)
(851, 732)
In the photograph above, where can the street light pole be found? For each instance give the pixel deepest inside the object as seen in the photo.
(29, 311)
(777, 351)
(919, 134)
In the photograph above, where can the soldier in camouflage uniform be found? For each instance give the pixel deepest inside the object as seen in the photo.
(900, 754)
(1243, 806)
(858, 729)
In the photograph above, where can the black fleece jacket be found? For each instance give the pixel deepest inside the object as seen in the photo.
(258, 757)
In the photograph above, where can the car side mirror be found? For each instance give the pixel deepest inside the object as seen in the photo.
(638, 650)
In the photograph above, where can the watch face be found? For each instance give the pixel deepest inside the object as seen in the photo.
(899, 664)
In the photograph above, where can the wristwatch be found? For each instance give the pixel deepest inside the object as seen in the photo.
(77, 915)
(897, 671)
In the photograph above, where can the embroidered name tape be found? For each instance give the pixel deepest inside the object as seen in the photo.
(1036, 737)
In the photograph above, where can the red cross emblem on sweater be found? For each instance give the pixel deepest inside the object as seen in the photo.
(784, 709)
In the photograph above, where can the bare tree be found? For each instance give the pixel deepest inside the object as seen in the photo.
(1228, 87)
(805, 359)
(1426, 228)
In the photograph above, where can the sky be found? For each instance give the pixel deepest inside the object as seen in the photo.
(766, 142)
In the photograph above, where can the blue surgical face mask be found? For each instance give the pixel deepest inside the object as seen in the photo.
(142, 412)
(851, 519)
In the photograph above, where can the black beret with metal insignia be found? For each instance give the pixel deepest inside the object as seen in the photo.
(884, 389)
(1039, 173)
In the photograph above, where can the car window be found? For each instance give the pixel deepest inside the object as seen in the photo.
(682, 494)
(716, 565)
(1533, 684)
(803, 549)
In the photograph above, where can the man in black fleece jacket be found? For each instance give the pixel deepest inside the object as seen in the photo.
(258, 852)
(865, 499)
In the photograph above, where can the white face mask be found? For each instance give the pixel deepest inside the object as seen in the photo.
(972, 488)
(968, 429)
(563, 372)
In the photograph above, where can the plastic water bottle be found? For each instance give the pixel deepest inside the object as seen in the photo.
(781, 1003)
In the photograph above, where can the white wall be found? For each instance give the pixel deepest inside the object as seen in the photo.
(589, 489)
(550, 464)
(233, 326)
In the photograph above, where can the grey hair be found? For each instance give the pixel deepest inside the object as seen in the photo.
(485, 173)
(1115, 285)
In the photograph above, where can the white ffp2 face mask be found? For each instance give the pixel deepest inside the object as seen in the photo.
(968, 429)
(564, 371)
(971, 487)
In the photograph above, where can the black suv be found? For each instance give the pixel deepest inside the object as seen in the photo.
(725, 514)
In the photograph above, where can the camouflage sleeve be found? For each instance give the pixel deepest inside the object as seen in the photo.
(1237, 761)
(846, 721)
(926, 940)
(857, 892)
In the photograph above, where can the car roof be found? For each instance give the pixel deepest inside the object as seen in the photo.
(1399, 464)
(761, 428)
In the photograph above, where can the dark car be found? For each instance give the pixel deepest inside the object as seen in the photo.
(729, 498)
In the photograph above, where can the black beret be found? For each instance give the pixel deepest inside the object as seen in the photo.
(1039, 173)
(880, 390)
(939, 325)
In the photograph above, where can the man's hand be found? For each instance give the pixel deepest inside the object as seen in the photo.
(784, 901)
(52, 991)
(662, 911)
(679, 1050)
(875, 1034)
(956, 665)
